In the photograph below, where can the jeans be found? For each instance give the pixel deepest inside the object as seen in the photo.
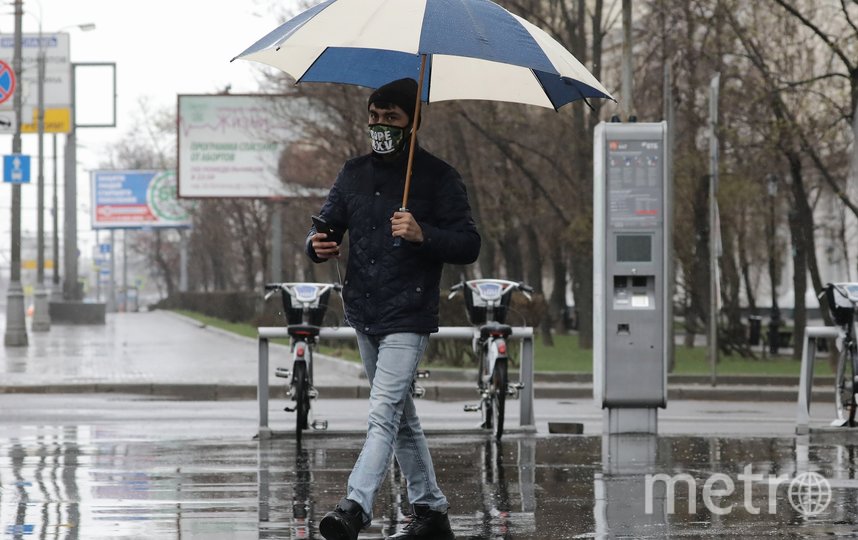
(391, 362)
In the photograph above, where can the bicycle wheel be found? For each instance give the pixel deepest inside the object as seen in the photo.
(301, 395)
(498, 389)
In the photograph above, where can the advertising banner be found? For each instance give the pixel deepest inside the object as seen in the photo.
(231, 146)
(136, 199)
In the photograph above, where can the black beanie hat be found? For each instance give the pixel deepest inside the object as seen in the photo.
(402, 92)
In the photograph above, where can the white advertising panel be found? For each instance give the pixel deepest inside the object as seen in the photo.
(230, 146)
(136, 199)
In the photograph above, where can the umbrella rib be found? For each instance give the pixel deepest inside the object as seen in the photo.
(544, 91)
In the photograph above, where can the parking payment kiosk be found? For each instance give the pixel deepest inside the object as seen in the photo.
(632, 285)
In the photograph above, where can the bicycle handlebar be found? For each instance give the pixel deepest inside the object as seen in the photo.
(285, 286)
(521, 286)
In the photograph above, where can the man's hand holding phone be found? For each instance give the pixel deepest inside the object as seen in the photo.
(324, 242)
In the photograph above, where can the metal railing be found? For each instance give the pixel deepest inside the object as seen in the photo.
(805, 384)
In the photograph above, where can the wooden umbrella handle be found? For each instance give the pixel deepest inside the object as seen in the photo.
(414, 132)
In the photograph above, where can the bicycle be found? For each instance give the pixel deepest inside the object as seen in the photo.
(842, 299)
(487, 305)
(304, 306)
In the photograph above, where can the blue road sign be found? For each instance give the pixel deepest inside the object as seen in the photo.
(16, 169)
(104, 248)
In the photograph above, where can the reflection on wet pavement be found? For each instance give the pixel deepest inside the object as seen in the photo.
(87, 483)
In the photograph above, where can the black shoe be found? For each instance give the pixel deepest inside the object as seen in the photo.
(344, 522)
(425, 524)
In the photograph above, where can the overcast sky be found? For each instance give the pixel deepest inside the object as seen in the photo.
(161, 48)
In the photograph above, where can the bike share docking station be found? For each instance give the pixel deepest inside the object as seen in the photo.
(632, 286)
(527, 420)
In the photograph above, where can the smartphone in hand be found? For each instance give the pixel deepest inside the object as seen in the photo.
(323, 226)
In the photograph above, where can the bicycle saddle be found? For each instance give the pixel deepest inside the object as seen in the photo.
(303, 330)
(503, 330)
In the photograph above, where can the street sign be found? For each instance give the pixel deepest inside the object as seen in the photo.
(16, 169)
(7, 111)
(55, 121)
(104, 248)
(57, 88)
(7, 81)
(7, 121)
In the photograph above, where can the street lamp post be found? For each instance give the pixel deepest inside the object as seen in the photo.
(16, 324)
(774, 319)
(56, 291)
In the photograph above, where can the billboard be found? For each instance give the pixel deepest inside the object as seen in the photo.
(230, 146)
(136, 199)
(57, 87)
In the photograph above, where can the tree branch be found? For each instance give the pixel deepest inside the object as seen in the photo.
(818, 31)
(845, 10)
(794, 84)
(507, 150)
(782, 112)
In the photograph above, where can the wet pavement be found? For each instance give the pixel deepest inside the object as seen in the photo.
(139, 351)
(92, 467)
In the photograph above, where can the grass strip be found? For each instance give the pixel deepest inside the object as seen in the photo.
(566, 355)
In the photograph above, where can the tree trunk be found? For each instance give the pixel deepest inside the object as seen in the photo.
(534, 279)
(163, 264)
(695, 317)
(557, 302)
(745, 264)
(512, 255)
(487, 246)
(582, 288)
(799, 282)
(731, 286)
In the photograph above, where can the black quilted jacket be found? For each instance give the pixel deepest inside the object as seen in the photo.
(391, 289)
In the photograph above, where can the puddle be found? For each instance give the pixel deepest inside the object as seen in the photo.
(85, 483)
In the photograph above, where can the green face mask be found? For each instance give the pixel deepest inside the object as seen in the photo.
(386, 139)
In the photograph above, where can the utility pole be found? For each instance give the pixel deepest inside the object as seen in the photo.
(628, 80)
(16, 323)
(41, 317)
(56, 290)
(713, 225)
(111, 287)
(125, 270)
(71, 289)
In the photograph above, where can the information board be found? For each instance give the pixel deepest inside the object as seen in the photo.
(634, 174)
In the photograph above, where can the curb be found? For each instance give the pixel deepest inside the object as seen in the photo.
(439, 392)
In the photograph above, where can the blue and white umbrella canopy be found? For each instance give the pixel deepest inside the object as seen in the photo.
(474, 49)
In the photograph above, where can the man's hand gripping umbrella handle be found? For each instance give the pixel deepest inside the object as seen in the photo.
(397, 241)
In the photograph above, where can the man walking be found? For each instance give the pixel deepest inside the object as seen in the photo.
(391, 294)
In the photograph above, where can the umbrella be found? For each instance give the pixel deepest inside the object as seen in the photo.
(456, 49)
